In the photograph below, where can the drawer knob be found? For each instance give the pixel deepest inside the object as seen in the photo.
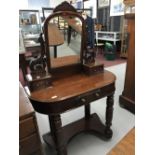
(97, 94)
(83, 100)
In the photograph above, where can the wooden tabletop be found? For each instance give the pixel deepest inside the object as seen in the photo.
(75, 85)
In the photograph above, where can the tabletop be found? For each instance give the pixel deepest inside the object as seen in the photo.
(75, 85)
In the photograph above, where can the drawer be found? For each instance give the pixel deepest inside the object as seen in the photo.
(29, 145)
(27, 127)
(89, 97)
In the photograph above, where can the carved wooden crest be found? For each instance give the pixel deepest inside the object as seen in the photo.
(64, 6)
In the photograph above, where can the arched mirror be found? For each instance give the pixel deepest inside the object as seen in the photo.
(64, 32)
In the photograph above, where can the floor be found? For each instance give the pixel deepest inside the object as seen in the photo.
(123, 122)
(126, 146)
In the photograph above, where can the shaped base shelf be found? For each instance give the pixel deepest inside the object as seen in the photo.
(92, 125)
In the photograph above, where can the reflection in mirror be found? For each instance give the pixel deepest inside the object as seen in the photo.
(64, 39)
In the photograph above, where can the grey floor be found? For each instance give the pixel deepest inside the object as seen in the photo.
(85, 144)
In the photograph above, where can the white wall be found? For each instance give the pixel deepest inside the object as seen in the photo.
(23, 4)
(54, 3)
(91, 4)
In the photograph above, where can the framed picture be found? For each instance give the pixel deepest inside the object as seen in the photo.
(116, 8)
(103, 3)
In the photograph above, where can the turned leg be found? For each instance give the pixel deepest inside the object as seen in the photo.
(87, 111)
(109, 115)
(56, 130)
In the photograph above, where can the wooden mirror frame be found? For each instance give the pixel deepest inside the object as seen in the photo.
(64, 9)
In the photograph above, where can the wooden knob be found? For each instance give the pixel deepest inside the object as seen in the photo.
(97, 94)
(83, 100)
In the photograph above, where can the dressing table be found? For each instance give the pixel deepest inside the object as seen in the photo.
(76, 80)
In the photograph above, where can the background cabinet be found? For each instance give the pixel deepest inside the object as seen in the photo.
(30, 25)
(127, 99)
(128, 10)
(29, 140)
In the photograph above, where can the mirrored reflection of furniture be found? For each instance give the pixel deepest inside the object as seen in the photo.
(127, 99)
(30, 24)
(29, 140)
(77, 80)
(110, 36)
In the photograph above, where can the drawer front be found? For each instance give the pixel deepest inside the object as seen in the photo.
(29, 145)
(27, 127)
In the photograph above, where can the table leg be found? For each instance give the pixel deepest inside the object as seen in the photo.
(109, 115)
(87, 111)
(55, 51)
(56, 127)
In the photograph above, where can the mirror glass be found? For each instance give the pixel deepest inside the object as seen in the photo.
(64, 39)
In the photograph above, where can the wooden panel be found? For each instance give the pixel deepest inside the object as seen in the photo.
(25, 107)
(65, 61)
(129, 88)
(126, 146)
(54, 35)
(127, 99)
(26, 127)
(75, 84)
(29, 145)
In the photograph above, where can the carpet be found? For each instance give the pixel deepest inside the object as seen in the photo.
(83, 144)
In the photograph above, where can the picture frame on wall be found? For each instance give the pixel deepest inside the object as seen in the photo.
(116, 8)
(103, 3)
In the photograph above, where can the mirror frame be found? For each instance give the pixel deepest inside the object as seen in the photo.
(62, 10)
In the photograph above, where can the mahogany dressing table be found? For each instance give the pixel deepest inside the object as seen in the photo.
(76, 80)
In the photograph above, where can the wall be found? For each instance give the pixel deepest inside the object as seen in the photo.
(111, 23)
(23, 4)
(54, 3)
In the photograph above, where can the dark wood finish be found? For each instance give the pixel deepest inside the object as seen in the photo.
(127, 99)
(92, 125)
(67, 12)
(69, 93)
(71, 88)
(39, 82)
(93, 68)
(29, 140)
(126, 146)
(87, 111)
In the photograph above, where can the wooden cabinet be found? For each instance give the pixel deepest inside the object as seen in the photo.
(127, 99)
(29, 140)
(129, 1)
(129, 9)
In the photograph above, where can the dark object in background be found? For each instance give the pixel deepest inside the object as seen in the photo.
(110, 51)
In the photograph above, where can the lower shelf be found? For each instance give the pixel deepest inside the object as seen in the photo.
(92, 125)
